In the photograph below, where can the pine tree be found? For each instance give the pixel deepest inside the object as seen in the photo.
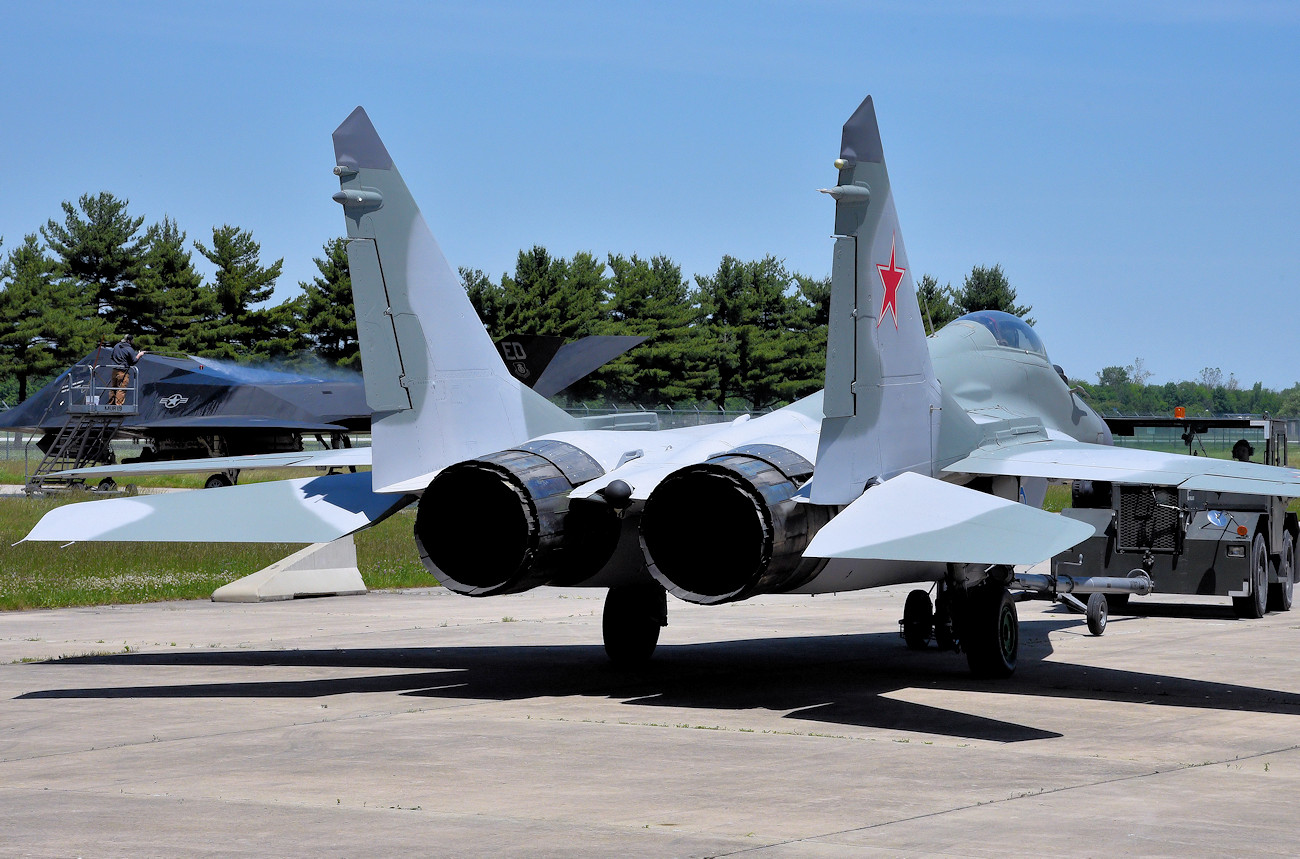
(814, 321)
(171, 304)
(552, 296)
(576, 307)
(526, 293)
(650, 299)
(487, 297)
(988, 289)
(936, 303)
(46, 323)
(240, 330)
(757, 326)
(99, 247)
(326, 315)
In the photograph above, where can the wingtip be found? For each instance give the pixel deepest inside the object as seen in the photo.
(861, 138)
(357, 144)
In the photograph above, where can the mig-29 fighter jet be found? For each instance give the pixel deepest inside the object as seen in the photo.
(922, 460)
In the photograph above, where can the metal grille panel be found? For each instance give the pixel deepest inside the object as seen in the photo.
(1148, 519)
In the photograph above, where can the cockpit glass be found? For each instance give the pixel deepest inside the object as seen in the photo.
(1008, 330)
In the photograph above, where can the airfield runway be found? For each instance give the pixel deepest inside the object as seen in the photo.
(422, 723)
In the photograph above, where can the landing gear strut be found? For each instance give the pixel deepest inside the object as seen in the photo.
(631, 622)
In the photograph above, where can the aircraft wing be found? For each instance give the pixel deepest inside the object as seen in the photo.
(1072, 460)
(306, 510)
(916, 518)
(341, 458)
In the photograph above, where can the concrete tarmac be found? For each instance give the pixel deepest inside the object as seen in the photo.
(423, 723)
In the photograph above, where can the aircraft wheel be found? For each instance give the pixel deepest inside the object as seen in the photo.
(108, 484)
(1098, 613)
(1280, 592)
(1256, 603)
(631, 621)
(216, 480)
(990, 631)
(918, 620)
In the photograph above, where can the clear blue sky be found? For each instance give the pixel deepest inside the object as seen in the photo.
(1132, 166)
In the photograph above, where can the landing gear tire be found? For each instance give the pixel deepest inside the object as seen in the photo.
(918, 620)
(1098, 613)
(1254, 605)
(1280, 593)
(217, 480)
(991, 631)
(631, 622)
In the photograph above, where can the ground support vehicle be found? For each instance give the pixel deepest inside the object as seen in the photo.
(1233, 545)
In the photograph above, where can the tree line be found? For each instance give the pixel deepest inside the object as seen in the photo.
(1125, 390)
(98, 273)
(750, 334)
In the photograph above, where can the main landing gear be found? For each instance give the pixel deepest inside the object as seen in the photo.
(631, 622)
(222, 478)
(979, 620)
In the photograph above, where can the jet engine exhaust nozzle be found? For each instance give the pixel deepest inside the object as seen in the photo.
(503, 523)
(728, 528)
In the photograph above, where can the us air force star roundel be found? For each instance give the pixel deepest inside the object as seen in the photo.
(890, 275)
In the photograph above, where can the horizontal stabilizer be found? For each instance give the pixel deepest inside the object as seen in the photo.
(342, 458)
(917, 518)
(306, 510)
(1072, 460)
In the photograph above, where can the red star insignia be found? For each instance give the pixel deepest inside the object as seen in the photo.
(891, 276)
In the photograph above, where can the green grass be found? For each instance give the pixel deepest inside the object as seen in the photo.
(1058, 498)
(13, 471)
(42, 575)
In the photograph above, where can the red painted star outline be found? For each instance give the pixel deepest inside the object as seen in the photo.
(890, 277)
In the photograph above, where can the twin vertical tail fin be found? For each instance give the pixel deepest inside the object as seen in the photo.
(439, 390)
(882, 401)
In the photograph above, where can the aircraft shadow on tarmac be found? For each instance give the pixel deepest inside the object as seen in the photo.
(839, 679)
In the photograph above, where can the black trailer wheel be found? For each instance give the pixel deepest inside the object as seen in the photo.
(1281, 591)
(108, 484)
(990, 631)
(217, 480)
(918, 620)
(1254, 605)
(631, 621)
(1098, 613)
